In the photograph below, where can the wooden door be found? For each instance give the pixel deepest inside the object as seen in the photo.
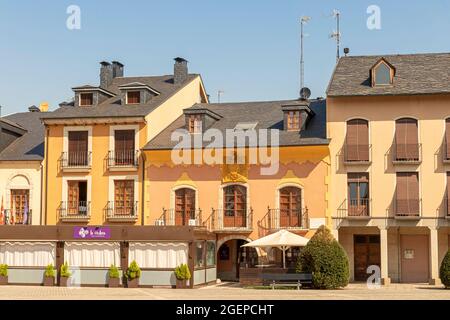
(184, 206)
(123, 197)
(414, 258)
(358, 194)
(124, 147)
(366, 253)
(20, 205)
(235, 206)
(357, 140)
(73, 197)
(290, 207)
(78, 148)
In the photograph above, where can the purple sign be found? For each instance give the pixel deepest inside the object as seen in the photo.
(91, 232)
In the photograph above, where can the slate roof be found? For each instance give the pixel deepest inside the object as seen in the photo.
(30, 146)
(268, 114)
(415, 74)
(112, 107)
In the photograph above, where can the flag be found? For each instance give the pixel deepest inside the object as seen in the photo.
(25, 211)
(2, 213)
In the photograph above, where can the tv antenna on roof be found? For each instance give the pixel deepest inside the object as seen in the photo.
(219, 94)
(337, 34)
(303, 21)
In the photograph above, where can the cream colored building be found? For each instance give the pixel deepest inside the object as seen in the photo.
(387, 118)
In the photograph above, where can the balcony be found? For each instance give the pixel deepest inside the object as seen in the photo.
(408, 209)
(19, 218)
(357, 209)
(127, 160)
(229, 220)
(118, 211)
(172, 217)
(276, 219)
(79, 161)
(70, 211)
(357, 154)
(407, 153)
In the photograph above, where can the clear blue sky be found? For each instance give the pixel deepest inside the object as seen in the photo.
(249, 49)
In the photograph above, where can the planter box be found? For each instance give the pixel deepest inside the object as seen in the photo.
(133, 283)
(113, 282)
(49, 281)
(3, 280)
(63, 281)
(181, 284)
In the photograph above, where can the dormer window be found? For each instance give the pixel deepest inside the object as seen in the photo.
(133, 97)
(293, 120)
(86, 99)
(195, 123)
(382, 73)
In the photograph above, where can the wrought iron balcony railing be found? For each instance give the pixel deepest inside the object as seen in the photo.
(74, 210)
(121, 211)
(172, 217)
(123, 159)
(75, 160)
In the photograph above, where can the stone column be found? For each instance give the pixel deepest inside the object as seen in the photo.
(434, 257)
(385, 280)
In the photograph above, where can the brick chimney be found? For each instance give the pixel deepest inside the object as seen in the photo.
(180, 70)
(106, 74)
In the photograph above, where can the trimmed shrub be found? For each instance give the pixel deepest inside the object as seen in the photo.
(113, 272)
(50, 271)
(444, 271)
(133, 271)
(65, 273)
(3, 270)
(182, 272)
(325, 258)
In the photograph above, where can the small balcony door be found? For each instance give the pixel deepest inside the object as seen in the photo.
(78, 149)
(184, 206)
(124, 197)
(235, 206)
(20, 206)
(124, 148)
(77, 198)
(290, 207)
(358, 194)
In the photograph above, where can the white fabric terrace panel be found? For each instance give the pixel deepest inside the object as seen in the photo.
(92, 254)
(158, 254)
(27, 254)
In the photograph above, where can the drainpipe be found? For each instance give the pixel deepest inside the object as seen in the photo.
(42, 196)
(143, 190)
(46, 175)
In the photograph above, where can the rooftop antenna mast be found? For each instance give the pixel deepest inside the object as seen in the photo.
(219, 94)
(303, 21)
(337, 34)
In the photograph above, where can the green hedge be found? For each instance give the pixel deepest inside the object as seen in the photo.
(444, 272)
(325, 258)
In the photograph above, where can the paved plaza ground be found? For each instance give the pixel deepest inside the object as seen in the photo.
(227, 291)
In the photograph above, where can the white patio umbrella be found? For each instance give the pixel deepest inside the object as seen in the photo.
(282, 239)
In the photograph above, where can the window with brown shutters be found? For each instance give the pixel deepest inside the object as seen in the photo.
(133, 97)
(86, 99)
(184, 206)
(293, 120)
(358, 194)
(78, 148)
(290, 207)
(235, 206)
(124, 147)
(195, 123)
(447, 139)
(357, 141)
(407, 194)
(406, 140)
(77, 197)
(123, 197)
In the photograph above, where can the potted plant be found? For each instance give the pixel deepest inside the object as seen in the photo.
(3, 274)
(49, 276)
(133, 274)
(182, 274)
(114, 277)
(64, 275)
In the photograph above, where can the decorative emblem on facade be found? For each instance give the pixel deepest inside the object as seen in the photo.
(234, 173)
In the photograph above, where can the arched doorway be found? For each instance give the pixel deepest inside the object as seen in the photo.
(231, 257)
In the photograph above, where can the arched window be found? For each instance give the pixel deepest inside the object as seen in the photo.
(235, 206)
(357, 141)
(290, 207)
(406, 140)
(184, 206)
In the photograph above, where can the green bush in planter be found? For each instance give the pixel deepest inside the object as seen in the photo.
(325, 258)
(65, 273)
(182, 272)
(133, 271)
(3, 270)
(50, 271)
(113, 272)
(444, 271)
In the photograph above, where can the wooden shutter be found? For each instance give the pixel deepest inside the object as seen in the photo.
(133, 97)
(448, 194)
(290, 207)
(78, 148)
(235, 206)
(124, 197)
(357, 140)
(407, 139)
(73, 197)
(124, 147)
(447, 138)
(184, 206)
(408, 193)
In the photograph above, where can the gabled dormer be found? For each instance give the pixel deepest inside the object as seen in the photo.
(382, 73)
(136, 93)
(197, 120)
(89, 96)
(296, 116)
